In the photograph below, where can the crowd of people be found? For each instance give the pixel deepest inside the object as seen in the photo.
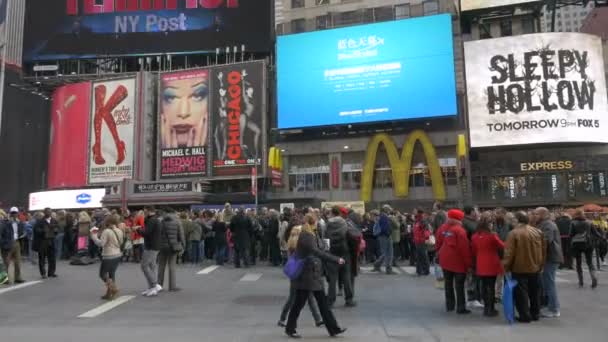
(472, 252)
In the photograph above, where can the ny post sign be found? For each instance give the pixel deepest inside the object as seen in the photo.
(147, 188)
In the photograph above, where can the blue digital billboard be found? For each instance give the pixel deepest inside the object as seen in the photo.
(378, 72)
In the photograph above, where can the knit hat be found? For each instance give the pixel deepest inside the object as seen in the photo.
(344, 212)
(456, 214)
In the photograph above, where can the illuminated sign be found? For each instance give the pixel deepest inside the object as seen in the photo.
(547, 166)
(67, 199)
(401, 165)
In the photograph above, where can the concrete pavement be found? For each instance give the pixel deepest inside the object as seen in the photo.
(227, 304)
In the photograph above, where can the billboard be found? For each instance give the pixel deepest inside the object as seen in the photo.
(69, 136)
(88, 28)
(385, 71)
(471, 5)
(238, 105)
(536, 88)
(67, 199)
(184, 123)
(112, 129)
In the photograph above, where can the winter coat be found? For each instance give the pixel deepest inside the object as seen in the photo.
(242, 229)
(486, 247)
(554, 242)
(453, 247)
(7, 234)
(44, 230)
(470, 226)
(421, 232)
(395, 229)
(172, 234)
(151, 233)
(311, 278)
(563, 224)
(525, 250)
(337, 229)
(219, 230)
(580, 225)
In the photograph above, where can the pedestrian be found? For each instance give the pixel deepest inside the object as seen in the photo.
(221, 239)
(395, 236)
(136, 237)
(486, 247)
(503, 225)
(274, 247)
(455, 259)
(45, 231)
(422, 234)
(172, 244)
(382, 233)
(193, 233)
(311, 281)
(241, 228)
(12, 231)
(564, 222)
(312, 303)
(469, 223)
(110, 239)
(61, 228)
(554, 258)
(151, 233)
(581, 237)
(339, 235)
(525, 252)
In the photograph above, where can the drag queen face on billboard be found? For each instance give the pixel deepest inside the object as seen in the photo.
(184, 109)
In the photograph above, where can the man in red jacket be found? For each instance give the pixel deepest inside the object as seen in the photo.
(455, 259)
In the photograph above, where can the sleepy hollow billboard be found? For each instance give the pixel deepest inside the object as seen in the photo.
(537, 88)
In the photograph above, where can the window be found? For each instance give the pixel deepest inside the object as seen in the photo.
(566, 15)
(402, 11)
(321, 2)
(385, 13)
(430, 7)
(309, 182)
(527, 26)
(349, 18)
(279, 29)
(484, 31)
(322, 22)
(298, 25)
(506, 28)
(351, 180)
(297, 3)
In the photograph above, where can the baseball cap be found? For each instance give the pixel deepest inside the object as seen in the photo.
(14, 210)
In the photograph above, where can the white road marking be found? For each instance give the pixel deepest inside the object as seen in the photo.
(208, 270)
(106, 307)
(411, 270)
(398, 270)
(20, 286)
(251, 277)
(561, 280)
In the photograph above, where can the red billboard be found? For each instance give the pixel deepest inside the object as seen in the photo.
(68, 153)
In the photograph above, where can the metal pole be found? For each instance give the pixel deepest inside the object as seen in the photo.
(553, 9)
(256, 181)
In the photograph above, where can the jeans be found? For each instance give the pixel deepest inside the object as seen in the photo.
(422, 260)
(527, 296)
(454, 281)
(150, 267)
(549, 286)
(489, 293)
(220, 254)
(312, 304)
(59, 245)
(386, 252)
(195, 250)
(300, 300)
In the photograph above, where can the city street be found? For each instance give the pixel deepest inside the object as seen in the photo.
(227, 304)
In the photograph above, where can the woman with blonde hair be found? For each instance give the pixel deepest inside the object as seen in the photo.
(292, 244)
(110, 239)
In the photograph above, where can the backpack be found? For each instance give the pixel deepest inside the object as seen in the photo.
(122, 244)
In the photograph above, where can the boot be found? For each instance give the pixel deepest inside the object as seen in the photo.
(113, 290)
(107, 295)
(580, 279)
(593, 280)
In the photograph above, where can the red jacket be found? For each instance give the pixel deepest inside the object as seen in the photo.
(485, 249)
(453, 246)
(421, 233)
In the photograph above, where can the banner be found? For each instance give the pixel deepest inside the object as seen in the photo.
(184, 123)
(147, 188)
(66, 199)
(112, 127)
(69, 29)
(238, 98)
(536, 88)
(68, 151)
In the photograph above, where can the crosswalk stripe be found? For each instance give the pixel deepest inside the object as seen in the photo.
(106, 307)
(208, 270)
(251, 277)
(409, 270)
(20, 286)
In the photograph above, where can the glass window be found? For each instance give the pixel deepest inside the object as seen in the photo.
(298, 25)
(322, 22)
(484, 31)
(308, 182)
(430, 7)
(351, 180)
(385, 13)
(527, 25)
(506, 28)
(279, 28)
(297, 3)
(402, 11)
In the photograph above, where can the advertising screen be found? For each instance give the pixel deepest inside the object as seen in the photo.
(69, 136)
(536, 88)
(184, 123)
(386, 71)
(67, 199)
(470, 5)
(61, 29)
(111, 139)
(238, 101)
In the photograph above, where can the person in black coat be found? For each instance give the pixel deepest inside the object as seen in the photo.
(221, 242)
(45, 231)
(273, 240)
(582, 233)
(311, 280)
(241, 228)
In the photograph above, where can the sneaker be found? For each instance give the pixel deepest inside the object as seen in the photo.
(550, 314)
(158, 288)
(152, 293)
(475, 304)
(145, 293)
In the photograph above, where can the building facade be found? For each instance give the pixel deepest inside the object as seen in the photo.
(567, 19)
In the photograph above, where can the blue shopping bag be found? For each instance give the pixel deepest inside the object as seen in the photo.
(507, 298)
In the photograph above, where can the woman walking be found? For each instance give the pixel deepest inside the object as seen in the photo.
(582, 234)
(311, 281)
(110, 240)
(486, 248)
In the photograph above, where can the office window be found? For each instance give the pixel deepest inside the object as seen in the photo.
(430, 7)
(385, 13)
(506, 28)
(402, 11)
(297, 3)
(527, 25)
(322, 22)
(298, 25)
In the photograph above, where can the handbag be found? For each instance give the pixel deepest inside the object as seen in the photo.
(430, 241)
(294, 267)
